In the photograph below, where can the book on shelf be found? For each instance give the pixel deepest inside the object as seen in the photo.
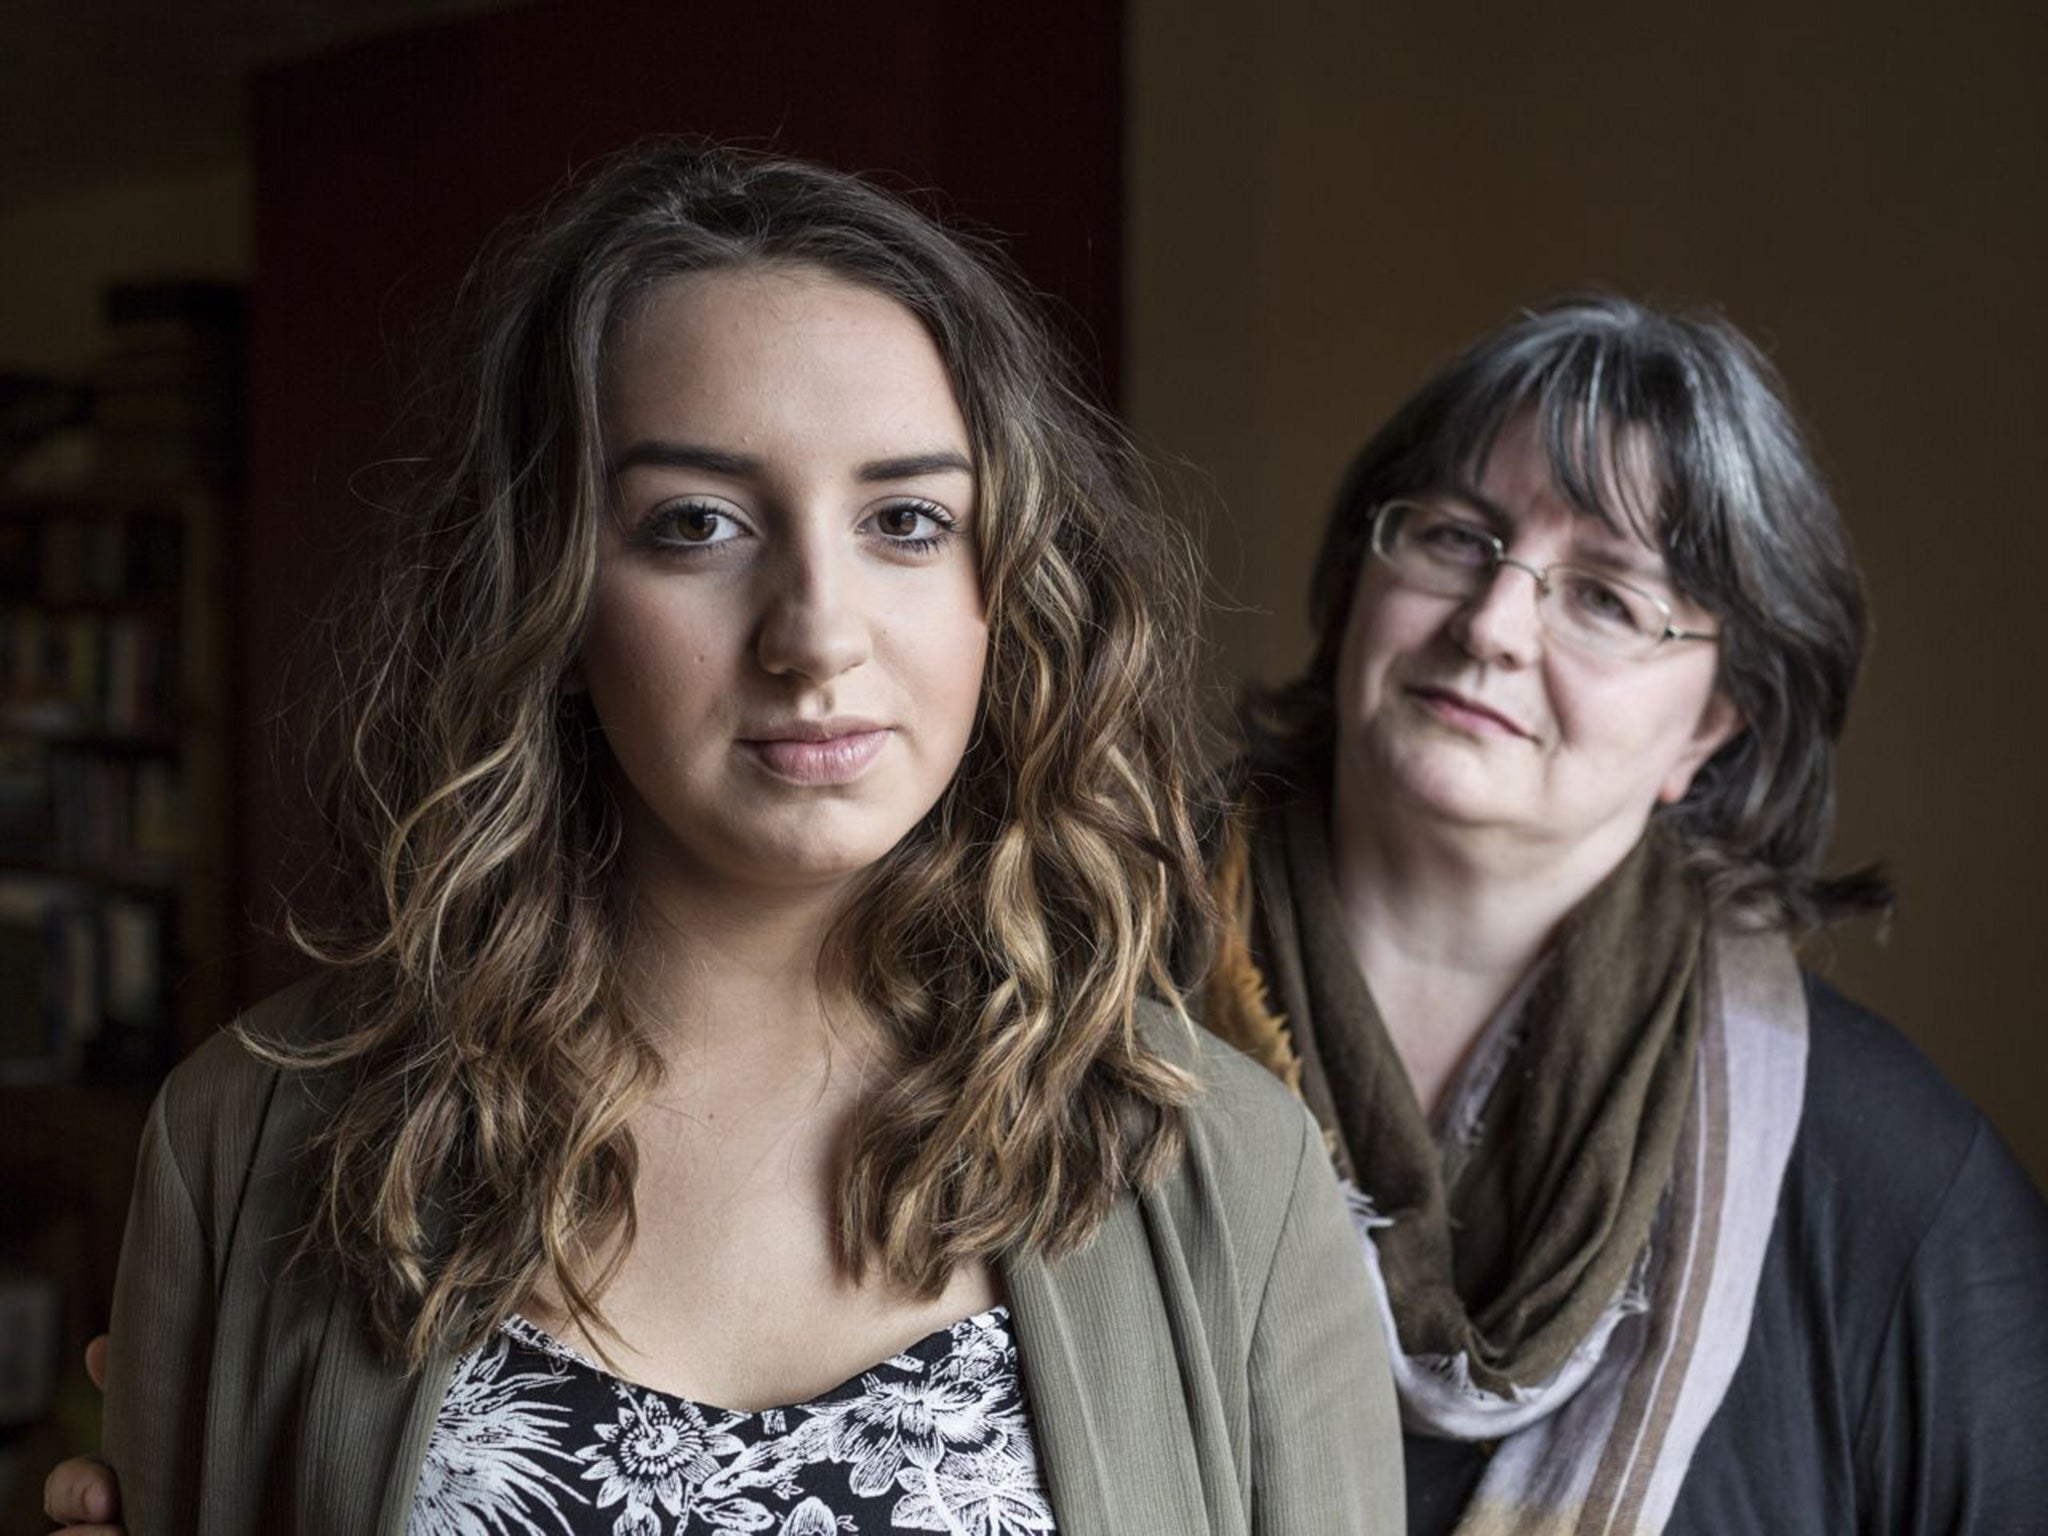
(31, 1323)
(117, 815)
(60, 559)
(89, 624)
(84, 981)
(64, 671)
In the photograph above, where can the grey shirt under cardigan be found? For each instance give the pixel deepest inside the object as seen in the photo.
(1209, 1363)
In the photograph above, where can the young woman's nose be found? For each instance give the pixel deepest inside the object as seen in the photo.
(1499, 623)
(813, 624)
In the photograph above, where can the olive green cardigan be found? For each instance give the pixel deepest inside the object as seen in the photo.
(1209, 1362)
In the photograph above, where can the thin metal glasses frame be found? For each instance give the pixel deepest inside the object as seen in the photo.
(1382, 526)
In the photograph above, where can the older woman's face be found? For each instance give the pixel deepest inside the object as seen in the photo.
(1468, 719)
(786, 642)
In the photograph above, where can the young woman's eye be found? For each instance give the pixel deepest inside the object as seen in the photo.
(917, 526)
(690, 525)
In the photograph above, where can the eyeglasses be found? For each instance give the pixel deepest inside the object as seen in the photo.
(1434, 550)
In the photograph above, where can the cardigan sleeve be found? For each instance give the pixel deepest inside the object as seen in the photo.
(161, 1343)
(1326, 1439)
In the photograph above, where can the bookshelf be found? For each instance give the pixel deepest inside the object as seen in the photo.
(115, 832)
(112, 793)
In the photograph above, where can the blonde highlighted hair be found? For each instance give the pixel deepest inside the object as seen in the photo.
(480, 1062)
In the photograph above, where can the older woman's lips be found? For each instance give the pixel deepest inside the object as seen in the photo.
(1469, 715)
(839, 757)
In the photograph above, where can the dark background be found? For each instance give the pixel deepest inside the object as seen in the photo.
(1260, 227)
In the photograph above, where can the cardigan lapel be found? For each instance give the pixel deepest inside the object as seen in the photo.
(359, 1420)
(1106, 1387)
(366, 1427)
(1062, 1405)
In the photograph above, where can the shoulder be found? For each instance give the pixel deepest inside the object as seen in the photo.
(1897, 1182)
(224, 1109)
(1241, 1109)
(1913, 1242)
(1252, 1151)
(1878, 1117)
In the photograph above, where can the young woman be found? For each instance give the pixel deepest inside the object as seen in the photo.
(1668, 1237)
(744, 1090)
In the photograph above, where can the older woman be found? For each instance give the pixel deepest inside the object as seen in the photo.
(1668, 1236)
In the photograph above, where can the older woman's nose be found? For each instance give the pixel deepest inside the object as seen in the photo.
(1499, 623)
(813, 624)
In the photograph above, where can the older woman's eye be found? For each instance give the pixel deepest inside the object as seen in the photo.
(1597, 604)
(1455, 543)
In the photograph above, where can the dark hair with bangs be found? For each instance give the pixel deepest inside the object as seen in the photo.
(1745, 523)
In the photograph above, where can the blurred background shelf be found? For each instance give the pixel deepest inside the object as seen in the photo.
(115, 834)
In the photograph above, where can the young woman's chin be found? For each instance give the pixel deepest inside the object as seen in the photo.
(825, 849)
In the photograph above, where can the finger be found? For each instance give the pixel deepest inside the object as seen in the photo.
(96, 1362)
(81, 1490)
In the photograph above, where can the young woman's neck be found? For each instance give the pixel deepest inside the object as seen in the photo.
(1444, 925)
(731, 979)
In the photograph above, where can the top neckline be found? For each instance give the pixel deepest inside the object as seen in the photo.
(932, 1347)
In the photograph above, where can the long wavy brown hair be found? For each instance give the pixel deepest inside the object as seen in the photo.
(480, 1060)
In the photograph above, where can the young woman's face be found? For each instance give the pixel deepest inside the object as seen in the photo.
(786, 643)
(1469, 715)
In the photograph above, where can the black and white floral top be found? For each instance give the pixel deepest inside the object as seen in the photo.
(533, 1437)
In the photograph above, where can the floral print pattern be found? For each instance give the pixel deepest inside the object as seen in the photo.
(532, 1437)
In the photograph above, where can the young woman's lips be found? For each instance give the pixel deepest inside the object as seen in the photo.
(1468, 715)
(834, 759)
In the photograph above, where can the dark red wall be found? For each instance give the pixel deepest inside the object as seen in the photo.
(381, 169)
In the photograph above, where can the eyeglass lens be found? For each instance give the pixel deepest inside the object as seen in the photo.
(1436, 550)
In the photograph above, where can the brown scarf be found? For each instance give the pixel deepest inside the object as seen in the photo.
(1513, 1260)
(1570, 1266)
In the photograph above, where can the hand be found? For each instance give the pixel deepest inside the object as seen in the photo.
(82, 1491)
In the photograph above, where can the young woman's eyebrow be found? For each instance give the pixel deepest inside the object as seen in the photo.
(913, 466)
(660, 453)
